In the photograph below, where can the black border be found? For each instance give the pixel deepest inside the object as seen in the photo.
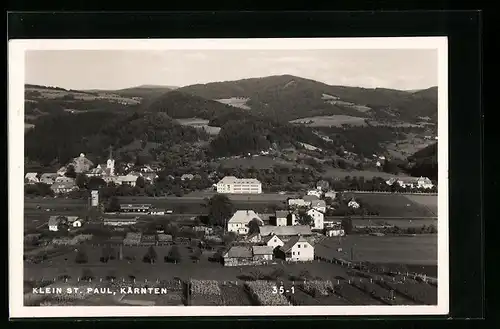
(463, 29)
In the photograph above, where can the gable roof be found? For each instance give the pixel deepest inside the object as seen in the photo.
(57, 185)
(31, 175)
(281, 214)
(315, 210)
(49, 176)
(310, 197)
(285, 230)
(318, 203)
(244, 217)
(262, 250)
(294, 240)
(239, 252)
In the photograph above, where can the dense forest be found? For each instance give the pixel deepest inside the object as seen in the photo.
(289, 97)
(62, 137)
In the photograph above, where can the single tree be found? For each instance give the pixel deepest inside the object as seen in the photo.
(220, 209)
(81, 180)
(140, 182)
(196, 254)
(150, 256)
(174, 255)
(114, 204)
(253, 226)
(305, 219)
(347, 225)
(81, 256)
(70, 172)
(229, 238)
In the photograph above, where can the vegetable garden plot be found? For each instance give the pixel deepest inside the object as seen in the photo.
(318, 288)
(205, 293)
(299, 297)
(382, 294)
(234, 295)
(262, 292)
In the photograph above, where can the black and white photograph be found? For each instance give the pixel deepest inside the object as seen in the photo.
(210, 177)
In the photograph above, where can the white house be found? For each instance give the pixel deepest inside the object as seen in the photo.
(281, 217)
(424, 182)
(318, 218)
(63, 187)
(157, 212)
(54, 222)
(353, 204)
(298, 249)
(331, 194)
(298, 203)
(31, 178)
(318, 205)
(74, 221)
(315, 193)
(48, 178)
(64, 179)
(129, 180)
(234, 185)
(240, 220)
(335, 232)
(284, 232)
(273, 241)
(187, 177)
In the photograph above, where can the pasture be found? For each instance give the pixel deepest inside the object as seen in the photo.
(199, 123)
(401, 223)
(414, 250)
(394, 205)
(331, 121)
(367, 174)
(257, 162)
(79, 95)
(428, 201)
(238, 102)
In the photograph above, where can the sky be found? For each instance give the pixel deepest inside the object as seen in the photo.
(404, 69)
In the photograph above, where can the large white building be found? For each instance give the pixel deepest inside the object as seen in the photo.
(234, 185)
(240, 220)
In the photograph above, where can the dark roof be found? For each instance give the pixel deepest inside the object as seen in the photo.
(239, 252)
(287, 246)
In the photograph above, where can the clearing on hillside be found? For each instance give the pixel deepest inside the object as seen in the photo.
(394, 205)
(331, 121)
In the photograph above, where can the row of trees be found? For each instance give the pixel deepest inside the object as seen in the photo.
(151, 256)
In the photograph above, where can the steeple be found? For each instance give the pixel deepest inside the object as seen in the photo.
(110, 152)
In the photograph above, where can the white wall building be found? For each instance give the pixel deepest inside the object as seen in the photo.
(298, 203)
(335, 232)
(240, 220)
(234, 185)
(298, 249)
(315, 193)
(318, 218)
(319, 205)
(273, 241)
(31, 178)
(281, 218)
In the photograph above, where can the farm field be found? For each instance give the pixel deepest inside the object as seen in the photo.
(258, 162)
(367, 174)
(428, 201)
(235, 101)
(331, 121)
(401, 223)
(199, 123)
(414, 250)
(395, 205)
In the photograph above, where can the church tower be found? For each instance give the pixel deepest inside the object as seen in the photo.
(110, 164)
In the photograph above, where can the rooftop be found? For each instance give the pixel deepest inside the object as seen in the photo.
(285, 230)
(262, 250)
(294, 240)
(239, 252)
(234, 180)
(244, 217)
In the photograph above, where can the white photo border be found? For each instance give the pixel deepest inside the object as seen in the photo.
(16, 81)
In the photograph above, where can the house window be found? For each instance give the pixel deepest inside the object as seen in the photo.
(293, 253)
(305, 246)
(298, 253)
(298, 246)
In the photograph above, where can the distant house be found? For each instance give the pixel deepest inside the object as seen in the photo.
(281, 217)
(316, 193)
(298, 203)
(421, 182)
(129, 180)
(95, 172)
(424, 182)
(273, 241)
(62, 171)
(322, 185)
(112, 179)
(150, 177)
(318, 205)
(233, 185)
(236, 255)
(74, 221)
(318, 218)
(353, 204)
(54, 222)
(331, 222)
(334, 232)
(284, 232)
(31, 178)
(64, 179)
(135, 208)
(157, 212)
(187, 177)
(81, 164)
(239, 222)
(331, 194)
(262, 252)
(120, 221)
(204, 229)
(297, 249)
(63, 187)
(310, 198)
(254, 238)
(48, 178)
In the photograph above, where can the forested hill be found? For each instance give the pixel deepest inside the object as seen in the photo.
(58, 138)
(290, 97)
(425, 162)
